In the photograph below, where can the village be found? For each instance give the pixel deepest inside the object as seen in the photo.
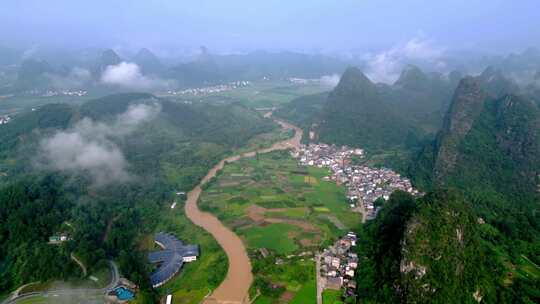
(54, 92)
(365, 185)
(337, 265)
(210, 90)
(79, 93)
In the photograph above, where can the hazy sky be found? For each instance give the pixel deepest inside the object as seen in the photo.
(309, 25)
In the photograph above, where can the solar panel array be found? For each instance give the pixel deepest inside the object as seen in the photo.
(171, 257)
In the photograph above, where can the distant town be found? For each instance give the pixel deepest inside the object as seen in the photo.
(364, 184)
(210, 90)
(53, 92)
(79, 93)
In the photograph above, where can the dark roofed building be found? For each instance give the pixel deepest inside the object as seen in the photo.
(171, 258)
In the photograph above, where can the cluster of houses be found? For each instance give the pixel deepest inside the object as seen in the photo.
(211, 90)
(338, 265)
(79, 93)
(4, 119)
(296, 80)
(54, 92)
(364, 184)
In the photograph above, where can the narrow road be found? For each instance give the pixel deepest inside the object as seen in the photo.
(75, 291)
(235, 286)
(320, 282)
(76, 260)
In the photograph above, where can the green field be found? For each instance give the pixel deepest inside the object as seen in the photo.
(331, 296)
(307, 294)
(16, 104)
(275, 204)
(253, 196)
(259, 94)
(274, 237)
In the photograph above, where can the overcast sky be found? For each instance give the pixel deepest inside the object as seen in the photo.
(243, 25)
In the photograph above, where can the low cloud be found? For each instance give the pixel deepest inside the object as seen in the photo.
(29, 53)
(329, 81)
(128, 75)
(76, 79)
(386, 66)
(89, 148)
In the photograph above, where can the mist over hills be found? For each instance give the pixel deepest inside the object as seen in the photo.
(464, 128)
(209, 69)
(416, 178)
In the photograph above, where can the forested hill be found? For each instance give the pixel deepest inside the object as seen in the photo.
(435, 250)
(489, 150)
(107, 167)
(361, 113)
(357, 114)
(488, 142)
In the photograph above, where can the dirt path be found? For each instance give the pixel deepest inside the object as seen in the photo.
(76, 260)
(235, 286)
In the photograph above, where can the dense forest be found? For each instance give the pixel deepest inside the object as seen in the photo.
(156, 147)
(435, 250)
(374, 116)
(482, 236)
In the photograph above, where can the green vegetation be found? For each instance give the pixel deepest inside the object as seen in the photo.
(494, 164)
(291, 280)
(282, 208)
(168, 154)
(435, 250)
(274, 237)
(375, 117)
(270, 197)
(332, 296)
(259, 94)
(304, 111)
(306, 294)
(198, 278)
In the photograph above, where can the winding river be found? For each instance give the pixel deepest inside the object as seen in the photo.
(235, 286)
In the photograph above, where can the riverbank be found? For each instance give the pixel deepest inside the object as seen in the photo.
(235, 286)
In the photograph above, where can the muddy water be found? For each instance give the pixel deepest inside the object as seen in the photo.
(234, 288)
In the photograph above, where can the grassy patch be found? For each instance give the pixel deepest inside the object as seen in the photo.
(331, 296)
(307, 294)
(276, 237)
(299, 213)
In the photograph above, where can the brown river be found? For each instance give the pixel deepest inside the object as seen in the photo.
(235, 286)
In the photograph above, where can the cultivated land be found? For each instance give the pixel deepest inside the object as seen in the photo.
(283, 213)
(234, 288)
(197, 280)
(274, 203)
(258, 94)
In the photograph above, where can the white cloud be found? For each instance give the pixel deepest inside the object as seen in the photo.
(88, 147)
(329, 81)
(386, 66)
(101, 159)
(29, 53)
(128, 75)
(421, 49)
